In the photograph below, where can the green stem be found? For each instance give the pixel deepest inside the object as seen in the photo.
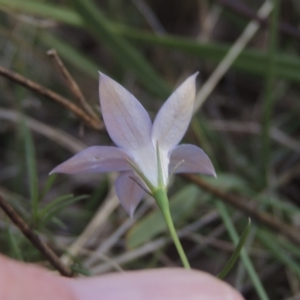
(162, 200)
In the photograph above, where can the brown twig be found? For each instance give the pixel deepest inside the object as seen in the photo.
(245, 11)
(34, 239)
(243, 205)
(94, 123)
(73, 86)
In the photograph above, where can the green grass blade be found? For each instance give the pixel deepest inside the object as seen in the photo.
(291, 248)
(270, 242)
(235, 255)
(124, 52)
(245, 258)
(250, 61)
(15, 248)
(50, 181)
(53, 204)
(59, 223)
(60, 207)
(127, 55)
(274, 202)
(44, 10)
(31, 168)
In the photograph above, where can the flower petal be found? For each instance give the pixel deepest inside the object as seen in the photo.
(126, 120)
(129, 192)
(190, 159)
(175, 115)
(95, 159)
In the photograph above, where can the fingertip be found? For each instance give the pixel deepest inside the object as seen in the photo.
(27, 281)
(175, 284)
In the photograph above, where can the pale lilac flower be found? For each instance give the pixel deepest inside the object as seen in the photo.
(139, 142)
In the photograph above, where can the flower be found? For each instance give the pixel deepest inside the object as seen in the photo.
(146, 153)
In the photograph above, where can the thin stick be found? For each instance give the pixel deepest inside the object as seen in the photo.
(73, 86)
(34, 239)
(96, 124)
(231, 56)
(240, 203)
(243, 10)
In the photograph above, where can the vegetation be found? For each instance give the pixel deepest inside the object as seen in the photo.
(246, 120)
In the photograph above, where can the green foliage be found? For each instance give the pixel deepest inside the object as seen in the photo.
(253, 274)
(51, 210)
(14, 245)
(271, 243)
(124, 52)
(235, 255)
(31, 169)
(259, 160)
(251, 61)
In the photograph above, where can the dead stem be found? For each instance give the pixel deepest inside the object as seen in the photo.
(96, 124)
(71, 83)
(34, 239)
(249, 209)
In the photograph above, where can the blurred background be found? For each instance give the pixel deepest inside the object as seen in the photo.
(246, 119)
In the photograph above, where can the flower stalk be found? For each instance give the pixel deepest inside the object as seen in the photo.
(161, 198)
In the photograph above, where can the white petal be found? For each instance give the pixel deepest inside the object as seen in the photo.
(175, 115)
(146, 160)
(190, 159)
(95, 159)
(126, 120)
(129, 192)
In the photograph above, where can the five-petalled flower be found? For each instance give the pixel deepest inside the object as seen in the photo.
(146, 153)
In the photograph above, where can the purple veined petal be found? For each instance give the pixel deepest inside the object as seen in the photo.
(129, 192)
(126, 120)
(96, 159)
(175, 115)
(190, 159)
